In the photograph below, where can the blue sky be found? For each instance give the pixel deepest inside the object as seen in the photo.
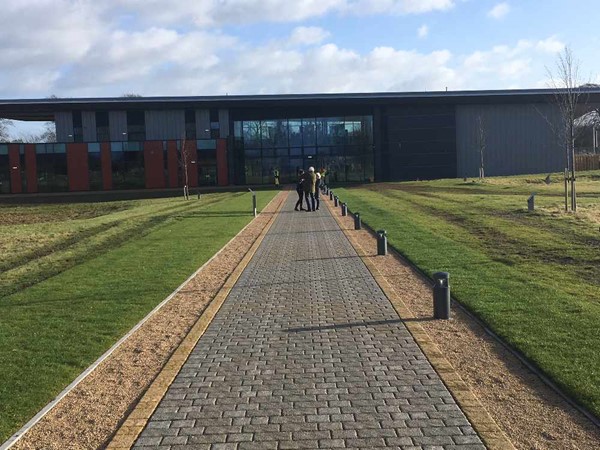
(81, 48)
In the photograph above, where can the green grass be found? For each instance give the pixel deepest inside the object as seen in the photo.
(105, 280)
(534, 278)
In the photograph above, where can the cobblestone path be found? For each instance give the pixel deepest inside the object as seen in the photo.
(307, 352)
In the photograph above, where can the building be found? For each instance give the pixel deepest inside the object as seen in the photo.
(137, 142)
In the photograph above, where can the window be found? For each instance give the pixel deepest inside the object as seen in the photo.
(51, 161)
(102, 127)
(343, 145)
(127, 161)
(206, 161)
(95, 166)
(190, 124)
(136, 126)
(77, 127)
(4, 170)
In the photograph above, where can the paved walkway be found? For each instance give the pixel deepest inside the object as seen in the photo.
(307, 352)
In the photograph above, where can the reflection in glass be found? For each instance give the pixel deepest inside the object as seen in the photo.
(335, 143)
(127, 163)
(51, 161)
(251, 133)
(95, 166)
(295, 130)
(4, 170)
(253, 171)
(309, 132)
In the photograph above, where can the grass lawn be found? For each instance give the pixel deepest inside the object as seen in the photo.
(75, 278)
(534, 278)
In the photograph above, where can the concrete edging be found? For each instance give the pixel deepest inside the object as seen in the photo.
(489, 431)
(131, 428)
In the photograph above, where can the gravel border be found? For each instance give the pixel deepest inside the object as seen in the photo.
(89, 415)
(529, 412)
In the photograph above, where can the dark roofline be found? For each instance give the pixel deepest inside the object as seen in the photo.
(35, 109)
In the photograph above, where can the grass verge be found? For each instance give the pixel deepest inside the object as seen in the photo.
(534, 278)
(51, 331)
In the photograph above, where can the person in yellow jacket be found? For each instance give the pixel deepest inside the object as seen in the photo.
(309, 188)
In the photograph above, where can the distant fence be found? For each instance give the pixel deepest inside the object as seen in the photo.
(587, 162)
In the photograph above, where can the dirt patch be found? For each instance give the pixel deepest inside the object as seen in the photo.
(531, 414)
(91, 413)
(31, 214)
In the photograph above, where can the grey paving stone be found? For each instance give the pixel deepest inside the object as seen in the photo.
(307, 352)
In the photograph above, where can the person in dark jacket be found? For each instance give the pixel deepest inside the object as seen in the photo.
(300, 190)
(308, 184)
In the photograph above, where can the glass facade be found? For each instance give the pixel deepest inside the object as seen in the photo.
(51, 160)
(127, 161)
(4, 170)
(343, 146)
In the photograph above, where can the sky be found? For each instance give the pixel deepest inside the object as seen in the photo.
(91, 48)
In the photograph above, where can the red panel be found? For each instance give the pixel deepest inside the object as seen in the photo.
(31, 168)
(192, 167)
(173, 164)
(222, 169)
(14, 163)
(106, 166)
(154, 164)
(77, 167)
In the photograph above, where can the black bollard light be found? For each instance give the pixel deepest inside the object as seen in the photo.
(357, 222)
(253, 201)
(381, 242)
(330, 195)
(336, 201)
(344, 209)
(441, 295)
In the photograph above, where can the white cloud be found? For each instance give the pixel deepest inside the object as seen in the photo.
(499, 11)
(219, 13)
(79, 48)
(308, 35)
(423, 31)
(550, 45)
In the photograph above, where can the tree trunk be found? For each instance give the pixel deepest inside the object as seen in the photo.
(566, 175)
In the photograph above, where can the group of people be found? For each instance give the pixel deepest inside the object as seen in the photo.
(308, 189)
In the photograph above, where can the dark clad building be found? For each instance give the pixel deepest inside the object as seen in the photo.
(137, 142)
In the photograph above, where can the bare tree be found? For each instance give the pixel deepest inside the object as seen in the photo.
(5, 125)
(184, 160)
(568, 93)
(131, 95)
(49, 133)
(481, 140)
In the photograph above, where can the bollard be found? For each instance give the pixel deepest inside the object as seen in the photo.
(382, 243)
(344, 209)
(357, 222)
(336, 201)
(441, 295)
(531, 202)
(253, 201)
(330, 195)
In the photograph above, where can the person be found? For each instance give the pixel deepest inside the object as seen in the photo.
(317, 188)
(308, 184)
(300, 190)
(276, 176)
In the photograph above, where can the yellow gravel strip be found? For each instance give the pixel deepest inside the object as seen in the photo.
(489, 431)
(127, 434)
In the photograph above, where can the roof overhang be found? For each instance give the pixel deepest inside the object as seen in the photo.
(44, 109)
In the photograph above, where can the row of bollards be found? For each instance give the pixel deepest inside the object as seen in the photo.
(441, 287)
